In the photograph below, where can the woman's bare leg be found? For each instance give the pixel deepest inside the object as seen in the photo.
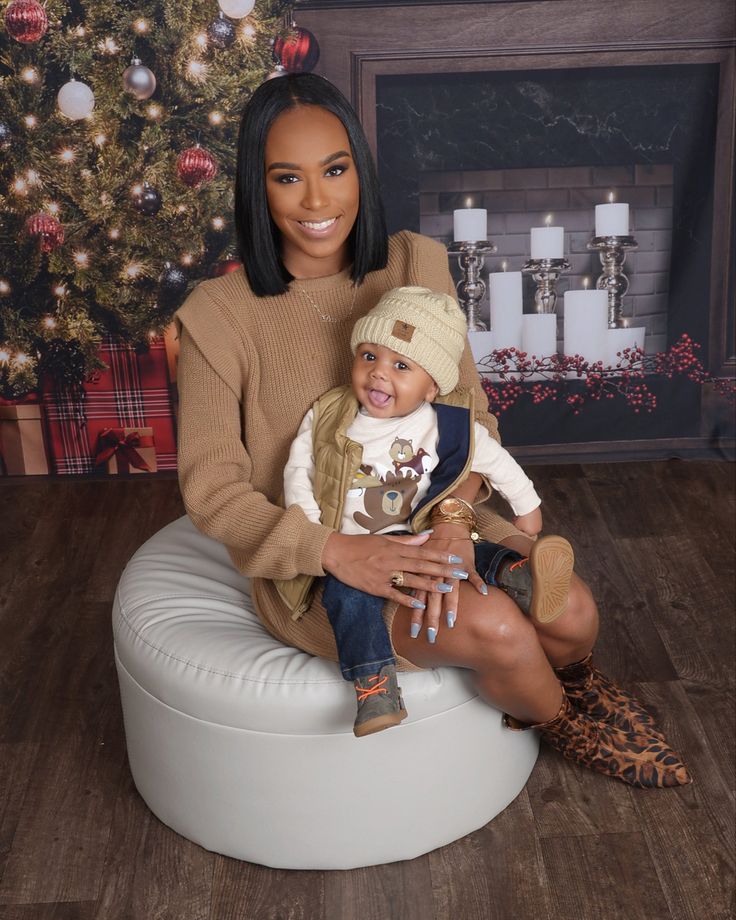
(493, 638)
(573, 634)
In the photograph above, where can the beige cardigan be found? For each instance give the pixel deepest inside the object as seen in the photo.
(249, 369)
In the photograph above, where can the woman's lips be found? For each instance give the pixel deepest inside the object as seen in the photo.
(318, 229)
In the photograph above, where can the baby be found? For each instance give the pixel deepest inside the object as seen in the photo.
(383, 456)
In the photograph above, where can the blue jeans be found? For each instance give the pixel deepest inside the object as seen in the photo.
(363, 642)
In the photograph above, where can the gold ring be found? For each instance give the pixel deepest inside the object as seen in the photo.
(397, 579)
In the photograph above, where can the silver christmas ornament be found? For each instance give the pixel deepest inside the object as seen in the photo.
(221, 32)
(138, 80)
(75, 100)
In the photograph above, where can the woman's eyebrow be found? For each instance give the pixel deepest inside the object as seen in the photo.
(328, 159)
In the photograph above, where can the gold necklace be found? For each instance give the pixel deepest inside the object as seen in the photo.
(325, 317)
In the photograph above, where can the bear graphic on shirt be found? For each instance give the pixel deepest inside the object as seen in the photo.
(389, 503)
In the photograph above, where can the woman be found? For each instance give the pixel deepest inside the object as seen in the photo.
(258, 346)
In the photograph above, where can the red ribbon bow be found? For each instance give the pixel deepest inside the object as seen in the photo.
(113, 441)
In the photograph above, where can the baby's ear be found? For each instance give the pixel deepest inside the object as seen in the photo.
(432, 392)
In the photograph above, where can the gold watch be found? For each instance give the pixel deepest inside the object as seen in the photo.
(453, 510)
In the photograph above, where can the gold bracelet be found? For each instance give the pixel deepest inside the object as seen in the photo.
(453, 510)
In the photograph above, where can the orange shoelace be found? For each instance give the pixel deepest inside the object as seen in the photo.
(365, 692)
(516, 565)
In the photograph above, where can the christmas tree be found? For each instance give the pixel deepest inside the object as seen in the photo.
(118, 129)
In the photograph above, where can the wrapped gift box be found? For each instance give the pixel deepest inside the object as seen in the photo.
(126, 450)
(22, 439)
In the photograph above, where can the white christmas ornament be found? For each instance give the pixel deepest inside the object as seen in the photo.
(75, 100)
(236, 9)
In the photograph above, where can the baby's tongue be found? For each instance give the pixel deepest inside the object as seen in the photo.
(380, 399)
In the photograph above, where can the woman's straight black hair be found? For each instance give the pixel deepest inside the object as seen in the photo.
(258, 237)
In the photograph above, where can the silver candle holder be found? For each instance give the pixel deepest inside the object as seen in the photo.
(471, 288)
(612, 251)
(545, 273)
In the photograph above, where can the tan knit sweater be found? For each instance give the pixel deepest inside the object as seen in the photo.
(249, 369)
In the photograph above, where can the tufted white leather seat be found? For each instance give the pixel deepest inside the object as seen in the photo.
(245, 746)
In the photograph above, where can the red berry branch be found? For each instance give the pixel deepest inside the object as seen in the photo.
(517, 375)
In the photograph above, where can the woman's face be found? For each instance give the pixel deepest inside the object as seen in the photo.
(312, 189)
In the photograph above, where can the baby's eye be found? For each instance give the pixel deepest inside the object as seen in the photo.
(368, 356)
(402, 366)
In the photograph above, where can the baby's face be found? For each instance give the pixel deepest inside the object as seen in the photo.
(387, 384)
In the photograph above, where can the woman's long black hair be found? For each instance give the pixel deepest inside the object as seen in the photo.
(258, 236)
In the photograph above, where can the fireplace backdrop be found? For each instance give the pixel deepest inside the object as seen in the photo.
(529, 108)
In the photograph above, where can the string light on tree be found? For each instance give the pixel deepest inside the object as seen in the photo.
(49, 322)
(81, 258)
(59, 290)
(132, 270)
(218, 223)
(29, 75)
(247, 33)
(200, 40)
(32, 177)
(141, 26)
(113, 233)
(108, 46)
(100, 139)
(216, 118)
(67, 155)
(4, 287)
(52, 207)
(197, 70)
(19, 186)
(30, 121)
(154, 111)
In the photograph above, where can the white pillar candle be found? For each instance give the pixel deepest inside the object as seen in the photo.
(612, 219)
(539, 334)
(586, 324)
(506, 308)
(481, 345)
(470, 224)
(618, 339)
(548, 242)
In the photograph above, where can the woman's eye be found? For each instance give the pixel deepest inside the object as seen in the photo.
(287, 179)
(336, 170)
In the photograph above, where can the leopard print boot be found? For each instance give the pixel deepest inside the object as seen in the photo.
(596, 695)
(634, 759)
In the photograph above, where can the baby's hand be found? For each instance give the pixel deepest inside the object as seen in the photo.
(530, 524)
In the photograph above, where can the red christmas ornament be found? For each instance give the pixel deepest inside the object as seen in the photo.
(195, 166)
(298, 52)
(225, 267)
(26, 21)
(47, 229)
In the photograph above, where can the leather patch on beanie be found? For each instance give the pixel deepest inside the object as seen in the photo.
(402, 331)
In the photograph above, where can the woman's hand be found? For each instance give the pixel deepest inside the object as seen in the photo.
(530, 524)
(368, 562)
(442, 606)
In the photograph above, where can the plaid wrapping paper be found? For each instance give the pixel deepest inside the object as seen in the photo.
(132, 393)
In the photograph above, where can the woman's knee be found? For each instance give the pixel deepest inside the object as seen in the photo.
(498, 631)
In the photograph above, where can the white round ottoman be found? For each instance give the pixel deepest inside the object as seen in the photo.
(245, 746)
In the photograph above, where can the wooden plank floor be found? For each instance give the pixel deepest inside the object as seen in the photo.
(656, 543)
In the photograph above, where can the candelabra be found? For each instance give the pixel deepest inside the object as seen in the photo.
(471, 288)
(612, 251)
(545, 272)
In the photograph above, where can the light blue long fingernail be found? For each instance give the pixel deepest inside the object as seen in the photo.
(451, 618)
(484, 589)
(418, 605)
(454, 560)
(444, 588)
(414, 632)
(431, 634)
(459, 573)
